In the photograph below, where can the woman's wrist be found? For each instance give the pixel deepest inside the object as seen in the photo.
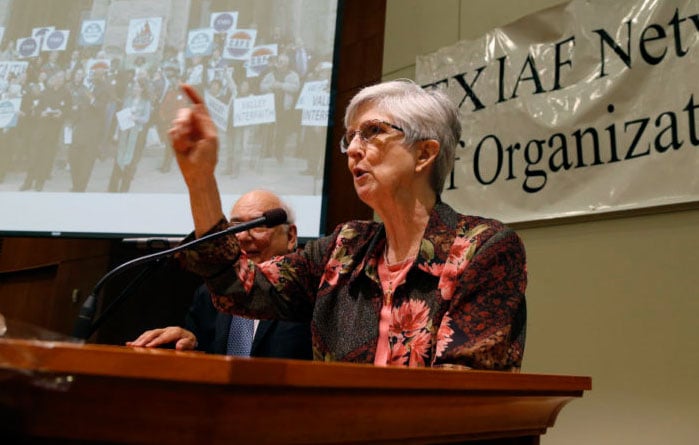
(205, 203)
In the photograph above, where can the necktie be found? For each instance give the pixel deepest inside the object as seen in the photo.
(240, 336)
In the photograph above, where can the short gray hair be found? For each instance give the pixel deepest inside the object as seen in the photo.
(421, 113)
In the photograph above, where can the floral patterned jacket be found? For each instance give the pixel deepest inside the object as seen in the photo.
(462, 302)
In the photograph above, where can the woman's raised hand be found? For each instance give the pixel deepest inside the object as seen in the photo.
(194, 138)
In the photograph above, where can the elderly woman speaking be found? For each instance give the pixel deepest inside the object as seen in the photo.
(427, 286)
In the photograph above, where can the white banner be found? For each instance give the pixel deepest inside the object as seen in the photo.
(583, 108)
(125, 119)
(315, 110)
(309, 88)
(8, 68)
(218, 110)
(253, 110)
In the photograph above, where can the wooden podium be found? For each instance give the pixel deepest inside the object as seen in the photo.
(55, 392)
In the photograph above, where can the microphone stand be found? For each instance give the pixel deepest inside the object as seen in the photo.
(84, 326)
(133, 284)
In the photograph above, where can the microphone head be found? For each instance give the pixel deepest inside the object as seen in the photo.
(274, 217)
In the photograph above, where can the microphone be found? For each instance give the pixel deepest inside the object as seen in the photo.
(84, 326)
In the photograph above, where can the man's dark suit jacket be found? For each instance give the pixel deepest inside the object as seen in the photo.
(273, 338)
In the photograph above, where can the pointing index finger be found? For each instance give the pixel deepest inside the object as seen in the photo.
(191, 93)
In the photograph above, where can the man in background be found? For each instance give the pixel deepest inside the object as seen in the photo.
(206, 329)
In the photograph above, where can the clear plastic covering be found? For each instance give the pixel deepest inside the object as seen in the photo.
(586, 107)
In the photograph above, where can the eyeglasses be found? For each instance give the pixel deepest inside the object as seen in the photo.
(367, 131)
(256, 232)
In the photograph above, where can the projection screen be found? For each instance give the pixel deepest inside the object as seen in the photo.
(88, 89)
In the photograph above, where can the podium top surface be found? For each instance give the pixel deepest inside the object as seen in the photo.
(196, 367)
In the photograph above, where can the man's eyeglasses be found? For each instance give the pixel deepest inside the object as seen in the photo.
(256, 232)
(367, 131)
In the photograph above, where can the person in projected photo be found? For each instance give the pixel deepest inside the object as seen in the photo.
(84, 122)
(426, 286)
(53, 104)
(11, 147)
(131, 139)
(284, 83)
(206, 329)
(170, 99)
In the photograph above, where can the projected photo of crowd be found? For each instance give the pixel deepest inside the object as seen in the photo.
(88, 89)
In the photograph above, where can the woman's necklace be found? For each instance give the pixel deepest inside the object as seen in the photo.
(393, 273)
(397, 263)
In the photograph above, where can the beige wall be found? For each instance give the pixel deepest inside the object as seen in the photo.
(617, 299)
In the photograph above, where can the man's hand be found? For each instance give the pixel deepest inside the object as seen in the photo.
(184, 340)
